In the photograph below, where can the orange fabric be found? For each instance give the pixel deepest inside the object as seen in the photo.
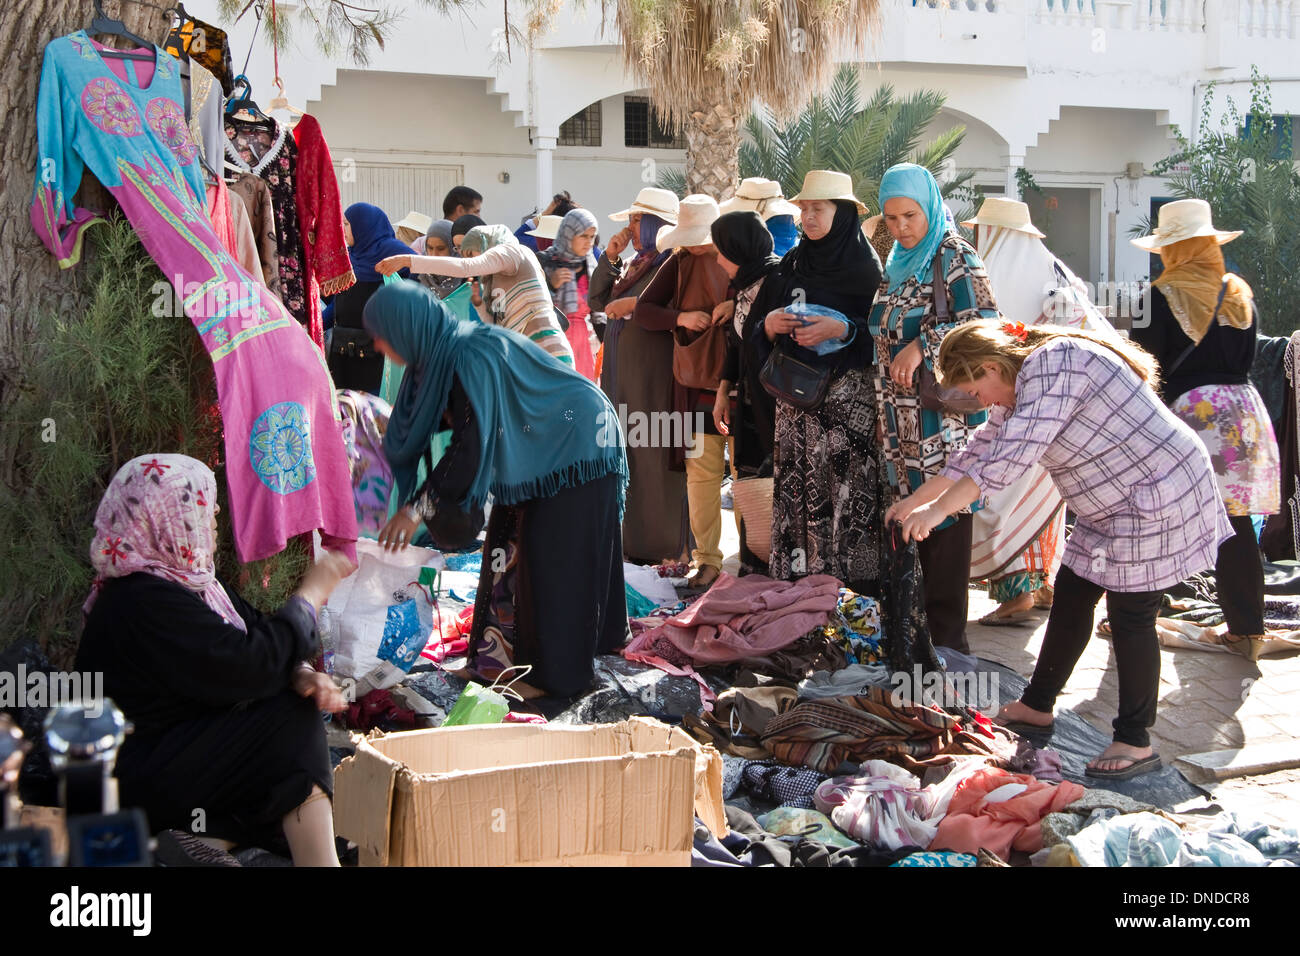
(1194, 272)
(1001, 827)
(223, 222)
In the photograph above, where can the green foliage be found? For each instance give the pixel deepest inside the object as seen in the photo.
(834, 132)
(127, 377)
(1233, 168)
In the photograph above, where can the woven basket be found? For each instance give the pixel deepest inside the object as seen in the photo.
(752, 501)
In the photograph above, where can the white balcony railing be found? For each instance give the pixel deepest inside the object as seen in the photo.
(1276, 19)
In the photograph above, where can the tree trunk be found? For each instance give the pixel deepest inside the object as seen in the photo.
(713, 146)
(31, 282)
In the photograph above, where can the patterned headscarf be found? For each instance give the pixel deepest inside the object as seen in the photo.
(156, 517)
(560, 255)
(478, 241)
(909, 181)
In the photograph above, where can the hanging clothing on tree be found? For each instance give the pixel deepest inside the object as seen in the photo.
(206, 45)
(256, 195)
(285, 460)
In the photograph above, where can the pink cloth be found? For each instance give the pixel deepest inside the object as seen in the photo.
(157, 517)
(746, 617)
(579, 334)
(971, 823)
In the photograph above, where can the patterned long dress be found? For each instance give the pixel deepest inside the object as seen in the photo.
(825, 499)
(918, 441)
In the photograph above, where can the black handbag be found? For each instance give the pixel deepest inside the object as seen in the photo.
(351, 343)
(794, 382)
(943, 398)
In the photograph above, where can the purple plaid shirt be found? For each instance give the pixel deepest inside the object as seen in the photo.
(1139, 481)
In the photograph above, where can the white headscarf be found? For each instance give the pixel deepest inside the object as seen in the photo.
(1020, 269)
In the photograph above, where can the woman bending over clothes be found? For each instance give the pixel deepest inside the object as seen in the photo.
(546, 444)
(1148, 512)
(226, 707)
(509, 285)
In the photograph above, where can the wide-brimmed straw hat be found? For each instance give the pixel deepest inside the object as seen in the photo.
(828, 185)
(694, 218)
(415, 221)
(1183, 219)
(657, 202)
(1005, 214)
(762, 196)
(548, 227)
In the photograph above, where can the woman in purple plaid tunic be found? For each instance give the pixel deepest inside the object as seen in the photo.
(1137, 479)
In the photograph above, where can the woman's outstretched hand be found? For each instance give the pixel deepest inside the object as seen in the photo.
(396, 535)
(386, 267)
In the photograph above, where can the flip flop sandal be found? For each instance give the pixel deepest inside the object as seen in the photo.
(993, 619)
(1135, 769)
(1028, 730)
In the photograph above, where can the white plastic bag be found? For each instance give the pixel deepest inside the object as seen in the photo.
(380, 582)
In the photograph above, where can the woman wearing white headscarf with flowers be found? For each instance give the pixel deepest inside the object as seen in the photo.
(569, 266)
(225, 705)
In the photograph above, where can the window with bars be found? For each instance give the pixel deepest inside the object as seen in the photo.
(643, 129)
(582, 128)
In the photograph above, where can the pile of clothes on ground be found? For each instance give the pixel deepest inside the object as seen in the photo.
(847, 738)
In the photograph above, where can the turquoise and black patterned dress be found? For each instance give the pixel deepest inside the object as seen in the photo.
(917, 441)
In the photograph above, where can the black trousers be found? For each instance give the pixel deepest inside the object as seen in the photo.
(1239, 574)
(1133, 637)
(945, 570)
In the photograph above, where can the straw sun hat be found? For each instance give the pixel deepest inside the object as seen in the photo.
(657, 202)
(416, 222)
(1183, 219)
(548, 227)
(762, 196)
(828, 185)
(1005, 214)
(694, 218)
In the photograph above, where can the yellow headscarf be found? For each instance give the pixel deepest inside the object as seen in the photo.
(1194, 272)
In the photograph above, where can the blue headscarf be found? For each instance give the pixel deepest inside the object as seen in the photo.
(784, 233)
(372, 239)
(909, 181)
(543, 427)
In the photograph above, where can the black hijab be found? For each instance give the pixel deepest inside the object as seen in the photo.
(745, 241)
(840, 271)
(464, 224)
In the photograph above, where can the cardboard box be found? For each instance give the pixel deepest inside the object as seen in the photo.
(621, 794)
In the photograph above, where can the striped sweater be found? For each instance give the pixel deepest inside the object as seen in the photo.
(515, 293)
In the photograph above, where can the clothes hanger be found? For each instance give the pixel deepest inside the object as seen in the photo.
(279, 102)
(103, 25)
(242, 107)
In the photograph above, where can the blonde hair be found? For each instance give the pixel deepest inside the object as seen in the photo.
(967, 348)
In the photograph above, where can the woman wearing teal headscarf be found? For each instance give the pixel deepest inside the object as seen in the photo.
(907, 334)
(545, 442)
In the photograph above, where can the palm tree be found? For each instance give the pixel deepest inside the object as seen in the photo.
(834, 132)
(707, 62)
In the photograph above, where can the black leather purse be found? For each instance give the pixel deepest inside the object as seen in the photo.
(794, 382)
(943, 398)
(346, 343)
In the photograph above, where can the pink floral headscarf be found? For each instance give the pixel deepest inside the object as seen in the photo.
(156, 517)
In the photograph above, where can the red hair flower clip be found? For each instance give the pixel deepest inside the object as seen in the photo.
(1016, 330)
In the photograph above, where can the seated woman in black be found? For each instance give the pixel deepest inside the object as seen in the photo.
(548, 446)
(226, 709)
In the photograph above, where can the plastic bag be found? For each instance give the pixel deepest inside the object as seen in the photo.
(404, 636)
(363, 621)
(485, 705)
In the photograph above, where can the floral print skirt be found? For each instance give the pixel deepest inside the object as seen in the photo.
(1233, 423)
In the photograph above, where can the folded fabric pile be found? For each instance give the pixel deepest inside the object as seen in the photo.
(883, 805)
(1146, 839)
(1000, 811)
(822, 734)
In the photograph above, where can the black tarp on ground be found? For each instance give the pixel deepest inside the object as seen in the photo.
(1078, 742)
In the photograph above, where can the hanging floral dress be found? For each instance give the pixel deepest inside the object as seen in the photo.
(121, 120)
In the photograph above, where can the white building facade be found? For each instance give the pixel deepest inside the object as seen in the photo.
(1083, 94)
